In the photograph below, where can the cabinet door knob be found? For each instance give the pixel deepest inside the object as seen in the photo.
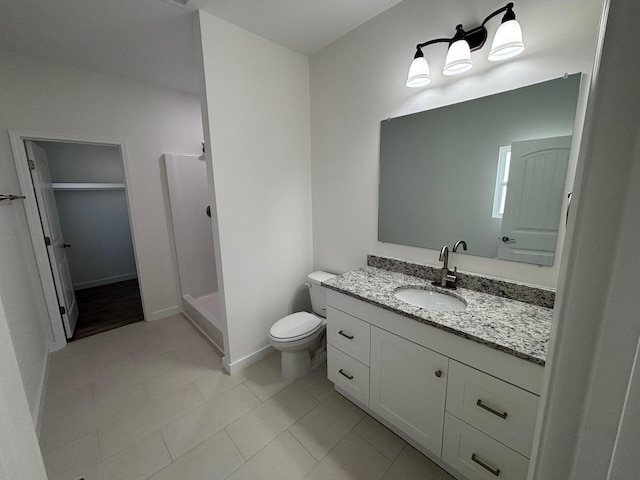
(438, 373)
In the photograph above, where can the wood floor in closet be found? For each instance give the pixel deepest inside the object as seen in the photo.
(107, 307)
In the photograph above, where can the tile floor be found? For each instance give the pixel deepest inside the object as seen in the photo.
(150, 400)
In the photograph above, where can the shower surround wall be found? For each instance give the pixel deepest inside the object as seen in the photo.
(192, 231)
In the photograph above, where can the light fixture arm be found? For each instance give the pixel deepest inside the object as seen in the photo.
(510, 15)
(476, 37)
(431, 42)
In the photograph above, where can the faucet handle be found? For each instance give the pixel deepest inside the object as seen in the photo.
(451, 278)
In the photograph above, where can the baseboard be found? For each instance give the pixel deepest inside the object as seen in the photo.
(55, 346)
(38, 406)
(244, 362)
(164, 313)
(105, 281)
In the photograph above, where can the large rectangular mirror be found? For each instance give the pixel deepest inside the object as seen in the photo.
(490, 171)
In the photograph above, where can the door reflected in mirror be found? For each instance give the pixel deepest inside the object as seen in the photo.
(491, 170)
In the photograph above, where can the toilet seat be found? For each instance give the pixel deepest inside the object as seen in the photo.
(296, 326)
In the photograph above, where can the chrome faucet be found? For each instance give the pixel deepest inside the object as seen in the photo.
(458, 243)
(444, 257)
(447, 279)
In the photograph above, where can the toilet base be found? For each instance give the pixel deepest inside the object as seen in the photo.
(295, 364)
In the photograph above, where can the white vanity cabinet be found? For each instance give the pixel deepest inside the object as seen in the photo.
(408, 384)
(469, 407)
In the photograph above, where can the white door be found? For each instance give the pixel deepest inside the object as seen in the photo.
(56, 248)
(534, 200)
(408, 387)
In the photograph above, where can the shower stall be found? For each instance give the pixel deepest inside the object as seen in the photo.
(188, 188)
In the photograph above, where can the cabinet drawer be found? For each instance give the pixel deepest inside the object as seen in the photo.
(348, 374)
(478, 456)
(349, 334)
(499, 409)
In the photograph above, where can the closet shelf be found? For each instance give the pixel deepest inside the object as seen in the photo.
(87, 186)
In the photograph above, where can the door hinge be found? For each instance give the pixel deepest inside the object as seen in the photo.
(32, 164)
(63, 311)
(47, 241)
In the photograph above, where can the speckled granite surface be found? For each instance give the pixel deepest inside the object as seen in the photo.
(514, 291)
(517, 328)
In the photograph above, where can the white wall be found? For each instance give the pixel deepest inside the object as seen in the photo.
(359, 80)
(593, 348)
(257, 112)
(20, 457)
(94, 222)
(44, 96)
(84, 163)
(21, 292)
(96, 225)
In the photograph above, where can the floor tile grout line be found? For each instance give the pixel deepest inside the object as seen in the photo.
(303, 445)
(371, 444)
(228, 434)
(96, 404)
(167, 447)
(204, 400)
(391, 462)
(143, 385)
(161, 426)
(285, 430)
(210, 436)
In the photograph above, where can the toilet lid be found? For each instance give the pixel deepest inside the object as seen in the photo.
(295, 325)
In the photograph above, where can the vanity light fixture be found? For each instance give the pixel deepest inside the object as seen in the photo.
(507, 43)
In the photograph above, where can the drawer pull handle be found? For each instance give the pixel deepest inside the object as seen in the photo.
(341, 372)
(502, 415)
(346, 335)
(438, 373)
(495, 471)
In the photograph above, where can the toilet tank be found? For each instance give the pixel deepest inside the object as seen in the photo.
(317, 292)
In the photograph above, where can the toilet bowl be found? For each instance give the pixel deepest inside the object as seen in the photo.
(296, 334)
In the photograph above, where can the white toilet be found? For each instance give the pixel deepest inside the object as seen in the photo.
(295, 334)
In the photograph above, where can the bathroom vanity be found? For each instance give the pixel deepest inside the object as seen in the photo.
(462, 387)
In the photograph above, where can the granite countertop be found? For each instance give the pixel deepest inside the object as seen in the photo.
(517, 328)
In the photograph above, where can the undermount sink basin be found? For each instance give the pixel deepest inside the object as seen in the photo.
(430, 299)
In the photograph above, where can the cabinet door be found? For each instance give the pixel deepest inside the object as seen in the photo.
(408, 387)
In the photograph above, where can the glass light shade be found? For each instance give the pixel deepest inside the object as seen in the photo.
(458, 58)
(418, 73)
(507, 42)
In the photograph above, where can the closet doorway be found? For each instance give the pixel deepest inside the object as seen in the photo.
(83, 219)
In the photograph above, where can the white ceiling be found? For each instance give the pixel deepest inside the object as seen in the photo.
(152, 40)
(305, 26)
